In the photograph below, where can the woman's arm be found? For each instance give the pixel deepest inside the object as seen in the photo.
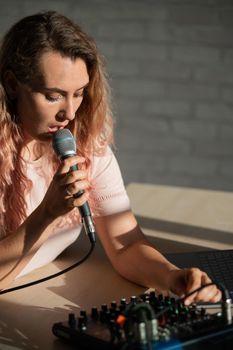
(137, 260)
(129, 251)
(17, 248)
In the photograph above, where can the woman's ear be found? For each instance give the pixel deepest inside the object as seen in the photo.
(11, 84)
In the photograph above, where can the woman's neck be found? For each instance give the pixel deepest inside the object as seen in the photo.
(32, 151)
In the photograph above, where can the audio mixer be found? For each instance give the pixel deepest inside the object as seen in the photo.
(146, 322)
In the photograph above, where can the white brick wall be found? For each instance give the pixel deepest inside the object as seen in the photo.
(171, 69)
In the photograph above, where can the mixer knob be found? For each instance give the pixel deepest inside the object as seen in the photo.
(71, 320)
(102, 315)
(203, 311)
(94, 313)
(82, 323)
(167, 300)
(183, 316)
(122, 307)
(113, 305)
(194, 313)
(84, 314)
(160, 296)
(133, 299)
(104, 307)
(108, 316)
(152, 294)
(145, 296)
(123, 301)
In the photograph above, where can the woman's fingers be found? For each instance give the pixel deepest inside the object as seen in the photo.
(67, 163)
(196, 278)
(185, 281)
(192, 281)
(74, 176)
(216, 297)
(59, 197)
(71, 181)
(77, 186)
(77, 202)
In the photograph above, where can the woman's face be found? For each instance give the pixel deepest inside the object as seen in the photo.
(52, 103)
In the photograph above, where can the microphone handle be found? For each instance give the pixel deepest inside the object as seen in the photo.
(84, 209)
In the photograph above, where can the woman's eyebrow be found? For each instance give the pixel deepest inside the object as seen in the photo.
(55, 89)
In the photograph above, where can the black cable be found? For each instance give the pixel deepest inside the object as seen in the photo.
(50, 276)
(225, 295)
(132, 309)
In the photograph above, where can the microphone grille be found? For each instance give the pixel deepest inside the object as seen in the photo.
(63, 143)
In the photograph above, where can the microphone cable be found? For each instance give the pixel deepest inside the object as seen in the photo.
(64, 146)
(29, 284)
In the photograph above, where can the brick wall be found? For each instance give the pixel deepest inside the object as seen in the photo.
(170, 64)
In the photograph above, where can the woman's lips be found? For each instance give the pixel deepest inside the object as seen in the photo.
(53, 129)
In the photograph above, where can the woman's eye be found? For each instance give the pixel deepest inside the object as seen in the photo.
(51, 98)
(79, 94)
(55, 98)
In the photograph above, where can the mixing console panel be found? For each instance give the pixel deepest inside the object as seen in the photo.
(147, 322)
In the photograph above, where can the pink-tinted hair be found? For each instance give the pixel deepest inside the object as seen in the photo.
(20, 53)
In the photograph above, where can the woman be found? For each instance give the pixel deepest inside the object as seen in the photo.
(52, 77)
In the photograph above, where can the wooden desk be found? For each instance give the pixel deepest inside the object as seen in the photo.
(184, 219)
(27, 315)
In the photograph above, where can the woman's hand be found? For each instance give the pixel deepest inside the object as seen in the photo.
(59, 198)
(184, 281)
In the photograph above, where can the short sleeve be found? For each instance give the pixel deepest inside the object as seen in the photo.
(108, 195)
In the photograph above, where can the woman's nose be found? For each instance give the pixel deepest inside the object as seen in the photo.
(68, 111)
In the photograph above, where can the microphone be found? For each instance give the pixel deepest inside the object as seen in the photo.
(64, 146)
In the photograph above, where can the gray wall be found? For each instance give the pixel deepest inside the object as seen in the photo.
(171, 68)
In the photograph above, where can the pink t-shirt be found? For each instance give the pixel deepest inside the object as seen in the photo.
(107, 197)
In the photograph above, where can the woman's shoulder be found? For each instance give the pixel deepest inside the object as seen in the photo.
(102, 160)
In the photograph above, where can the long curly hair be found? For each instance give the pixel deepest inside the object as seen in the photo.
(20, 53)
